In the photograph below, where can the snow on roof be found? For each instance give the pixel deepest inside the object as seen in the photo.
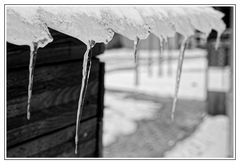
(25, 28)
(81, 23)
(100, 23)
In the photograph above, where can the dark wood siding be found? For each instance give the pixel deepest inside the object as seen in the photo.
(57, 79)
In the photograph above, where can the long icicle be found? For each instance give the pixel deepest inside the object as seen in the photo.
(136, 61)
(160, 57)
(178, 77)
(169, 58)
(85, 76)
(150, 58)
(33, 57)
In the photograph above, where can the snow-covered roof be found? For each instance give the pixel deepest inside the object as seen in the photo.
(28, 24)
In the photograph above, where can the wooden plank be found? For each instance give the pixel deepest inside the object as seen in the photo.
(47, 99)
(49, 72)
(46, 56)
(48, 78)
(87, 131)
(86, 149)
(19, 129)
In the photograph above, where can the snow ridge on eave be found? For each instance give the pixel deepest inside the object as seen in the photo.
(99, 23)
(25, 28)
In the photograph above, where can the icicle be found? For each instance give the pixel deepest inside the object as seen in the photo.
(136, 60)
(178, 77)
(33, 56)
(150, 60)
(135, 49)
(217, 41)
(85, 76)
(169, 58)
(160, 56)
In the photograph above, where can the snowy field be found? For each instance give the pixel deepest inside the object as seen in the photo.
(121, 116)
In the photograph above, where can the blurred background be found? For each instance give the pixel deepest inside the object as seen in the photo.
(138, 102)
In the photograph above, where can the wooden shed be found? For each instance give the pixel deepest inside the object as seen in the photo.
(57, 79)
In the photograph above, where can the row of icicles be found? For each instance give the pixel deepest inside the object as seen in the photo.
(85, 76)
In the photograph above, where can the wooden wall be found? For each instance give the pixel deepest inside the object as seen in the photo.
(57, 79)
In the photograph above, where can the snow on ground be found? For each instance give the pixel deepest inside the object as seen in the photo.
(209, 141)
(121, 116)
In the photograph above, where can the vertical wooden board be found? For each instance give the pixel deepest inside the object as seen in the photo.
(101, 90)
(219, 57)
(216, 103)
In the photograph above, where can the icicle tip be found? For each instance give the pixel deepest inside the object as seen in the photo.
(28, 115)
(76, 145)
